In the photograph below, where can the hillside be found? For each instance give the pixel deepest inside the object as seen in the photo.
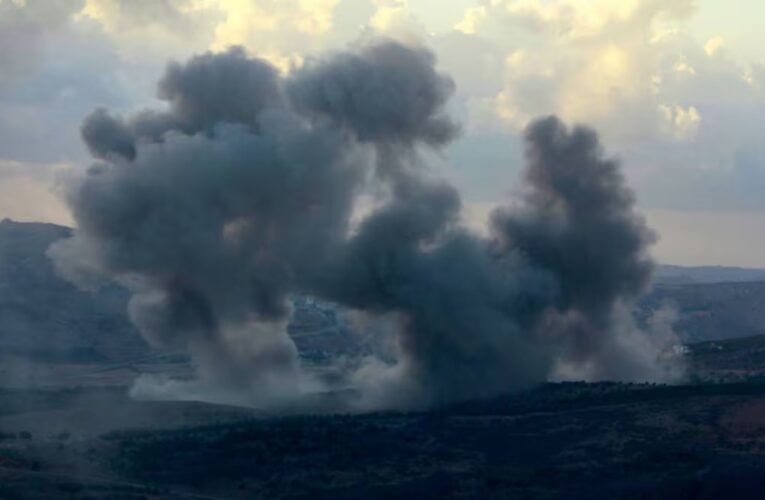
(48, 319)
(713, 311)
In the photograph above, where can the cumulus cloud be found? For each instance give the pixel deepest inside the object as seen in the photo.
(673, 105)
(596, 61)
(681, 124)
(279, 31)
(24, 27)
(66, 67)
(714, 45)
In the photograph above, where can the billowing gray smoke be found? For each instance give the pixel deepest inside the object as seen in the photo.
(242, 192)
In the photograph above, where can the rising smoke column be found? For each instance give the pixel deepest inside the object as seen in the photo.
(551, 290)
(577, 221)
(550, 293)
(215, 210)
(208, 211)
(409, 257)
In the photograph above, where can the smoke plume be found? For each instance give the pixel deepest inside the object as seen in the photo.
(241, 194)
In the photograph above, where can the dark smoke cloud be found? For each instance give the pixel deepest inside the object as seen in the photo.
(549, 291)
(578, 222)
(220, 88)
(389, 93)
(578, 219)
(240, 194)
(105, 135)
(208, 91)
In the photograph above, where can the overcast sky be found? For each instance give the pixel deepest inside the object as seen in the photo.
(675, 87)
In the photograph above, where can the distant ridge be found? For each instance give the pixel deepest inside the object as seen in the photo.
(681, 275)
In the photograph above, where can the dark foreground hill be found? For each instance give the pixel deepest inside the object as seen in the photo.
(570, 440)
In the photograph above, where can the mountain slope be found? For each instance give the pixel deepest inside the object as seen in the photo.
(43, 316)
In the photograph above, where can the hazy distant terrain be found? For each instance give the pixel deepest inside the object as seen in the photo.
(712, 311)
(679, 275)
(44, 317)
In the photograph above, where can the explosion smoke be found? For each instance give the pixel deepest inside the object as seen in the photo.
(215, 211)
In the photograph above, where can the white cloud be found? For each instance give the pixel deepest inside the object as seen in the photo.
(388, 14)
(280, 31)
(574, 20)
(683, 68)
(680, 123)
(714, 45)
(601, 61)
